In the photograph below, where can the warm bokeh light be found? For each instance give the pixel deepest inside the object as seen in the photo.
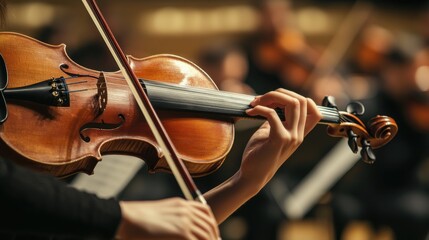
(184, 21)
(32, 14)
(314, 21)
(422, 78)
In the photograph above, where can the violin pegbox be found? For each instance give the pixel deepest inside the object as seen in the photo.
(376, 133)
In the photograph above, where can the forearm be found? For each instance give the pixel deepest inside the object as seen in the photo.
(227, 197)
(269, 147)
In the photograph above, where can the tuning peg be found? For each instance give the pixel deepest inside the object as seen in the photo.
(355, 108)
(367, 153)
(352, 141)
(329, 101)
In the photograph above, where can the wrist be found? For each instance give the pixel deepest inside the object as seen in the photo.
(120, 228)
(129, 224)
(247, 184)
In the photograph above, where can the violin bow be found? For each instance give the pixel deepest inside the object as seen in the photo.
(180, 172)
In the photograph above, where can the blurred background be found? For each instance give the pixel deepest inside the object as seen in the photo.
(375, 52)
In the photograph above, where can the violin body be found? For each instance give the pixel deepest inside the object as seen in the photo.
(101, 115)
(59, 117)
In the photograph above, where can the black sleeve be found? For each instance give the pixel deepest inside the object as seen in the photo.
(38, 204)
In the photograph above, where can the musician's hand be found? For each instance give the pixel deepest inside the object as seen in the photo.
(275, 141)
(172, 218)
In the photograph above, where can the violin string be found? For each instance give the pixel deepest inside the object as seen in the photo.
(234, 100)
(79, 82)
(73, 83)
(233, 97)
(244, 99)
(79, 90)
(200, 90)
(218, 99)
(226, 100)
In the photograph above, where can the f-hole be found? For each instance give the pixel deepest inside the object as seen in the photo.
(3, 84)
(100, 126)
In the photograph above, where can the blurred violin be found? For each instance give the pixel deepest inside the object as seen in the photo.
(60, 117)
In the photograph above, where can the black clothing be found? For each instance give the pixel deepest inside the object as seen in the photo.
(32, 203)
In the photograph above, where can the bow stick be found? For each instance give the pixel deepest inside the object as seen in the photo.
(183, 178)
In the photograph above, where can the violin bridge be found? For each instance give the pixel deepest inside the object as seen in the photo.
(101, 93)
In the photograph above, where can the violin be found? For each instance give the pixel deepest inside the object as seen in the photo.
(59, 117)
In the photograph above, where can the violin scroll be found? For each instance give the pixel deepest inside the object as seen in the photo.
(376, 133)
(383, 128)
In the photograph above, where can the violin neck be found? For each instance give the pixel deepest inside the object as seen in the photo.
(213, 102)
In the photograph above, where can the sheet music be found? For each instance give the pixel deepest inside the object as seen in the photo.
(327, 172)
(110, 177)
